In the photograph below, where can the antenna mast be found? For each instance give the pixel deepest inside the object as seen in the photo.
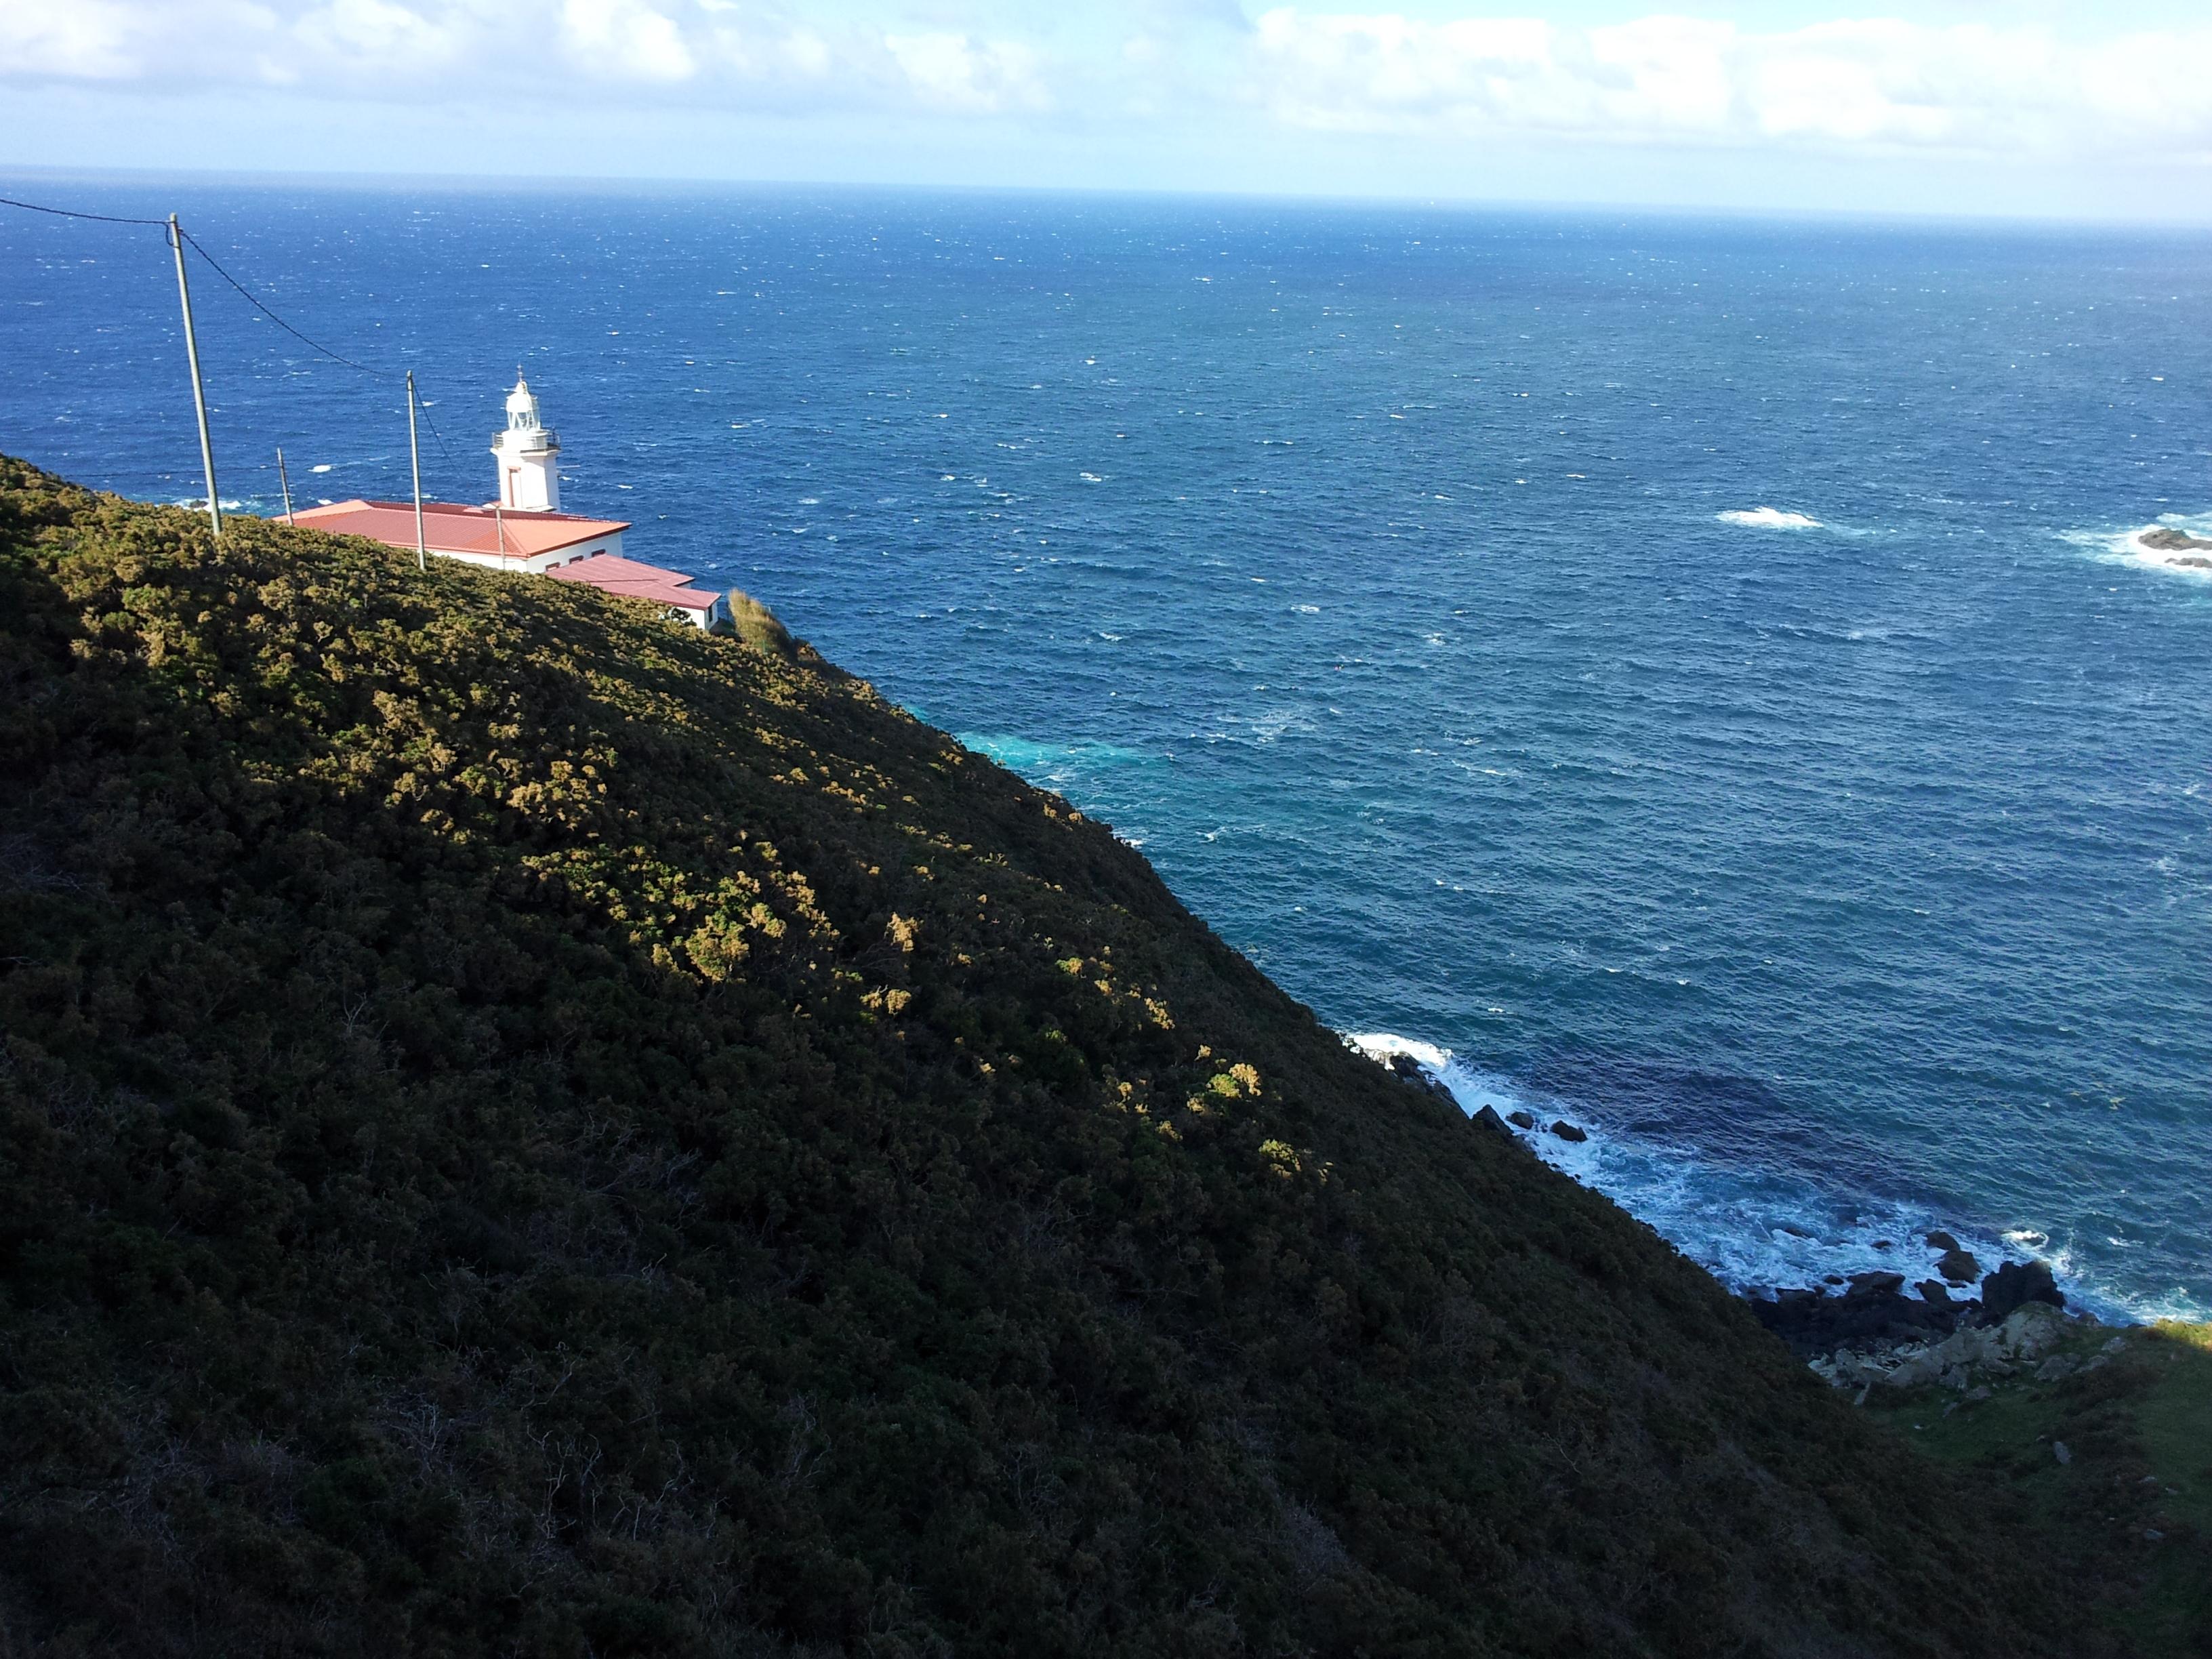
(414, 455)
(200, 396)
(284, 483)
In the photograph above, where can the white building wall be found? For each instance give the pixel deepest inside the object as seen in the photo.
(544, 561)
(529, 481)
(609, 544)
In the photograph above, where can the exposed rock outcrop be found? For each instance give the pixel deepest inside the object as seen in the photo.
(1487, 1118)
(1412, 1071)
(1958, 1360)
(2015, 1283)
(1869, 1312)
(1959, 1266)
(1880, 1325)
(2167, 539)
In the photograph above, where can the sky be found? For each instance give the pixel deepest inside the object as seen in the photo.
(2037, 108)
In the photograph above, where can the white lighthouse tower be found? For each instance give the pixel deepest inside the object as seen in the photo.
(529, 456)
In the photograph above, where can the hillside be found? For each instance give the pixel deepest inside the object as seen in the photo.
(530, 1130)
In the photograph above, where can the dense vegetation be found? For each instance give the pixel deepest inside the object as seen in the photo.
(527, 1129)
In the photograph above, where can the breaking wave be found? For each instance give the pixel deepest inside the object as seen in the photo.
(1754, 1230)
(1769, 518)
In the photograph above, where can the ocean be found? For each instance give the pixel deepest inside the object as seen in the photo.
(1689, 677)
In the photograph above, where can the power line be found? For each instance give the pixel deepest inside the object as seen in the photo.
(246, 293)
(252, 300)
(435, 432)
(70, 213)
(255, 300)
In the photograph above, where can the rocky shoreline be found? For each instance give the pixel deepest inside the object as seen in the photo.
(1960, 1328)
(1875, 1338)
(1873, 1308)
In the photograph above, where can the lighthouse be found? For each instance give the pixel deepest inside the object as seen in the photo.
(525, 529)
(529, 456)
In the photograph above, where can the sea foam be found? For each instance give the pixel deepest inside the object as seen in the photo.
(2191, 561)
(2126, 546)
(1769, 518)
(1754, 1231)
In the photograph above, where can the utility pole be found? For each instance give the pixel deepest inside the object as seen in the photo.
(200, 396)
(414, 455)
(284, 483)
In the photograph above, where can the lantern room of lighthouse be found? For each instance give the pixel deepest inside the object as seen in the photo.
(529, 456)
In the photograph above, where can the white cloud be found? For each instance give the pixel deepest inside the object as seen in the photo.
(110, 39)
(198, 42)
(380, 35)
(628, 38)
(753, 54)
(1668, 74)
(1658, 77)
(1155, 71)
(1883, 82)
(80, 42)
(956, 73)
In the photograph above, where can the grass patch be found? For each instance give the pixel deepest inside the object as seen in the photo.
(2125, 1521)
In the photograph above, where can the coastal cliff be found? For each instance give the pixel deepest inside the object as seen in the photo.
(528, 1129)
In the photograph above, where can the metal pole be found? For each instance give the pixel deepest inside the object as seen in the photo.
(414, 454)
(284, 483)
(192, 356)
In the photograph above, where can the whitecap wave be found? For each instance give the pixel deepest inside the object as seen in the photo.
(1769, 518)
(1754, 1230)
(1384, 1045)
(2195, 561)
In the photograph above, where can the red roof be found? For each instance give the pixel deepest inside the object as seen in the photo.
(616, 575)
(448, 527)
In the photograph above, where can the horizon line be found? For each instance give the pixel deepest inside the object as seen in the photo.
(617, 183)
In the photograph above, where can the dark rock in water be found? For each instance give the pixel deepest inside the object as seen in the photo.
(1521, 1120)
(1934, 1290)
(1941, 1241)
(1835, 1278)
(1959, 1267)
(1566, 1131)
(2165, 539)
(1487, 1118)
(1885, 1243)
(1870, 1311)
(1410, 1070)
(2014, 1284)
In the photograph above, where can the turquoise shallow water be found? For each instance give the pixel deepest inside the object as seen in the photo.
(1687, 675)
